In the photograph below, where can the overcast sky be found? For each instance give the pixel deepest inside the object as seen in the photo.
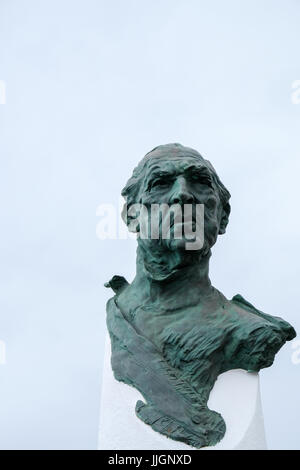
(91, 86)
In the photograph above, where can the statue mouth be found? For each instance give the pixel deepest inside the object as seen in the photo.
(184, 228)
(186, 224)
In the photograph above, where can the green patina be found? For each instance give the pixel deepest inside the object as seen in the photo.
(172, 332)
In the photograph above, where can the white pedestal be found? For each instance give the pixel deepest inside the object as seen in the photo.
(235, 395)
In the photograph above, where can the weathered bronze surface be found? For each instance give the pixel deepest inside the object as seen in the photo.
(172, 332)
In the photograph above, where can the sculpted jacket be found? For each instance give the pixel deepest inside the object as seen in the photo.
(176, 380)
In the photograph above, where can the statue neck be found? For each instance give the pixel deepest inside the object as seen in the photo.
(187, 283)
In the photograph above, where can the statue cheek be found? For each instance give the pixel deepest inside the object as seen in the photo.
(211, 204)
(211, 228)
(153, 198)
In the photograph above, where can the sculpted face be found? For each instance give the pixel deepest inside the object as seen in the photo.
(188, 181)
(176, 175)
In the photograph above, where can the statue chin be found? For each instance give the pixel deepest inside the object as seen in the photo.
(176, 244)
(182, 245)
(161, 260)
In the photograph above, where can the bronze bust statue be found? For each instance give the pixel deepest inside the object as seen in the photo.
(172, 332)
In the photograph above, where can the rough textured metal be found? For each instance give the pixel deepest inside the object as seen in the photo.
(172, 332)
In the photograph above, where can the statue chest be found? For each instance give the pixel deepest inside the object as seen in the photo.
(183, 335)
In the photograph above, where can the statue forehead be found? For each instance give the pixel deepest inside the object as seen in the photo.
(174, 163)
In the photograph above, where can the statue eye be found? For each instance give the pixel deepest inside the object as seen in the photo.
(201, 179)
(160, 182)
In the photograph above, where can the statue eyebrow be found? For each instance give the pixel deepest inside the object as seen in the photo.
(158, 173)
(198, 169)
(203, 173)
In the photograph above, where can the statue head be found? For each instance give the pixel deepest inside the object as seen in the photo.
(176, 175)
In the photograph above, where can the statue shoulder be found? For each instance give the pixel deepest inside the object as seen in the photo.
(285, 327)
(256, 337)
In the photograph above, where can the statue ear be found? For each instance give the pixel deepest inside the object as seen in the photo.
(131, 222)
(124, 214)
(224, 218)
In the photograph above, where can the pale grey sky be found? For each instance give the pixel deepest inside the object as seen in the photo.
(91, 86)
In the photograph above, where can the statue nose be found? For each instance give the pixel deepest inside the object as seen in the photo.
(181, 194)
